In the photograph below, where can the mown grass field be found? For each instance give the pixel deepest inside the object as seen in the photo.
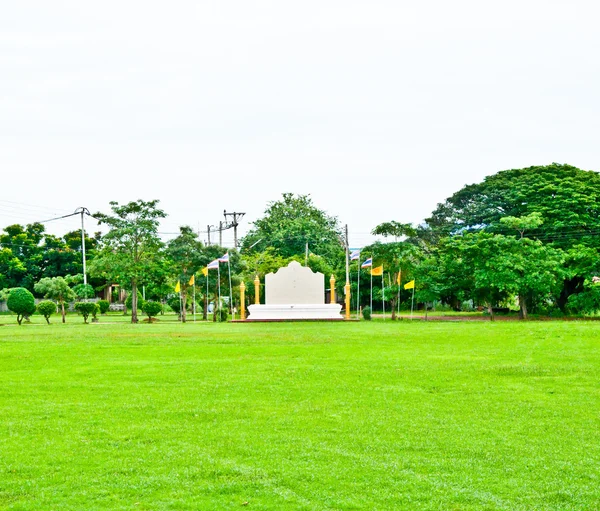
(380, 415)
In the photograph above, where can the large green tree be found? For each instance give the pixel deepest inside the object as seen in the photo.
(131, 247)
(292, 223)
(185, 258)
(558, 205)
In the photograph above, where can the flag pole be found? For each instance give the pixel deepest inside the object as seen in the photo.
(219, 282)
(180, 306)
(371, 299)
(230, 290)
(358, 292)
(412, 302)
(206, 298)
(383, 294)
(399, 288)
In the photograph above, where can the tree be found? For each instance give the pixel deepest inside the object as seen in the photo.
(21, 302)
(46, 309)
(57, 289)
(186, 258)
(396, 257)
(131, 247)
(12, 269)
(87, 308)
(503, 265)
(565, 197)
(291, 223)
(151, 309)
(84, 291)
(25, 245)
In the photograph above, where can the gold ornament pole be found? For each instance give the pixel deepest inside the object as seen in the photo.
(332, 286)
(242, 301)
(256, 290)
(347, 299)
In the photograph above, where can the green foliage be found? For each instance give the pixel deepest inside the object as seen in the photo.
(46, 309)
(84, 291)
(292, 222)
(104, 306)
(186, 258)
(366, 312)
(21, 302)
(130, 250)
(139, 301)
(87, 308)
(174, 302)
(57, 289)
(221, 313)
(152, 309)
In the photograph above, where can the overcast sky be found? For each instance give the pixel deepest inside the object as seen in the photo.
(378, 109)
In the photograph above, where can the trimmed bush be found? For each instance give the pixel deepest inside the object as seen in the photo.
(151, 309)
(366, 312)
(87, 308)
(104, 306)
(46, 309)
(21, 302)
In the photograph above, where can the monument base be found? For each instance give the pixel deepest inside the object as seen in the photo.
(291, 312)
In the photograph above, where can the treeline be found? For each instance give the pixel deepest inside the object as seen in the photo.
(524, 237)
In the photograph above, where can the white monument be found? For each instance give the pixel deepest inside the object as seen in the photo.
(294, 292)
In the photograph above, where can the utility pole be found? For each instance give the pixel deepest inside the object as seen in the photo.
(347, 286)
(221, 233)
(83, 211)
(208, 230)
(236, 216)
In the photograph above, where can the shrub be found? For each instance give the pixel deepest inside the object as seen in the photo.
(221, 314)
(104, 306)
(21, 302)
(46, 309)
(366, 312)
(175, 304)
(87, 308)
(151, 309)
(129, 300)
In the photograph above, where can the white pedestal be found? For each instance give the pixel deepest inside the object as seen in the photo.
(292, 312)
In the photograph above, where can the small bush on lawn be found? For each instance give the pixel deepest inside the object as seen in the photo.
(87, 308)
(46, 309)
(21, 302)
(104, 306)
(151, 309)
(366, 312)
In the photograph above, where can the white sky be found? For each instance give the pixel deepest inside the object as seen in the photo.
(378, 109)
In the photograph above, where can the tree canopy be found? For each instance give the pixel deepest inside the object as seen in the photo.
(291, 223)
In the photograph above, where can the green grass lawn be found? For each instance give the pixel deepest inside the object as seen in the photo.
(369, 415)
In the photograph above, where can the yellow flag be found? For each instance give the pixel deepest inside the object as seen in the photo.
(205, 271)
(192, 280)
(410, 285)
(178, 287)
(377, 271)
